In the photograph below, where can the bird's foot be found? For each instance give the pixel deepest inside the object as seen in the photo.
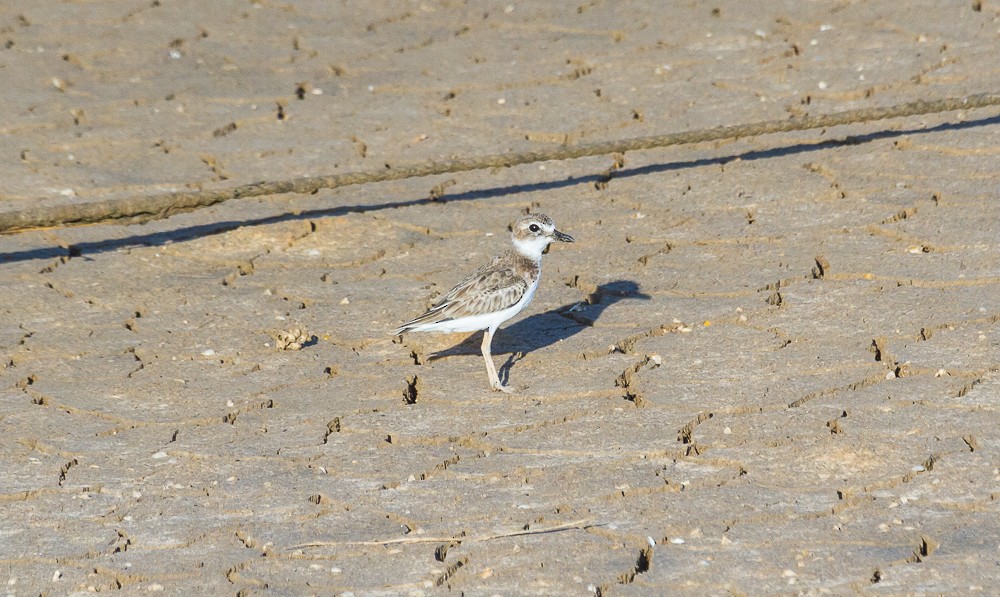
(499, 387)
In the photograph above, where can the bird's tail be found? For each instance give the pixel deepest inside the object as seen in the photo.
(417, 325)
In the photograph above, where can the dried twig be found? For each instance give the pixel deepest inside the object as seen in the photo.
(583, 523)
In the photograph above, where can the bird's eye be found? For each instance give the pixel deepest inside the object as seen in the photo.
(534, 228)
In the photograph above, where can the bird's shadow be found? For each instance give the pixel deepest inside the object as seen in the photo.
(545, 329)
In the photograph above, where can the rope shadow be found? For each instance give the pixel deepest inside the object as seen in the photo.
(181, 234)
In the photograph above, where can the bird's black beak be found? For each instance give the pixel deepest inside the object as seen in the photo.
(563, 237)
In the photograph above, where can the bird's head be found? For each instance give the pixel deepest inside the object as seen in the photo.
(533, 233)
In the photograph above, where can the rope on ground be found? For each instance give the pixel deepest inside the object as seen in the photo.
(153, 207)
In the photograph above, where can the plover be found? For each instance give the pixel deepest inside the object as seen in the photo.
(496, 291)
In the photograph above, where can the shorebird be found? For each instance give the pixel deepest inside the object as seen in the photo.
(495, 292)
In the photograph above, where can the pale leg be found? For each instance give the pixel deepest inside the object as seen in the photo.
(491, 369)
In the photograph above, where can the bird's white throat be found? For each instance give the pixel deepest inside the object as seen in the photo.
(532, 247)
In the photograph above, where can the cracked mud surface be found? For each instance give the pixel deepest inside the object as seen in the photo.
(766, 366)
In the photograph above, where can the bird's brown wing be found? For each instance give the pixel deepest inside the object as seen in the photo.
(492, 287)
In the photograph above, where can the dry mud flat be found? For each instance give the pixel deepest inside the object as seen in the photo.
(769, 366)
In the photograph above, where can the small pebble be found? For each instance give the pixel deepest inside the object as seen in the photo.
(160, 454)
(207, 352)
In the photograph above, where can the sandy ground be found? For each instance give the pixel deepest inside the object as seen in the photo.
(769, 366)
